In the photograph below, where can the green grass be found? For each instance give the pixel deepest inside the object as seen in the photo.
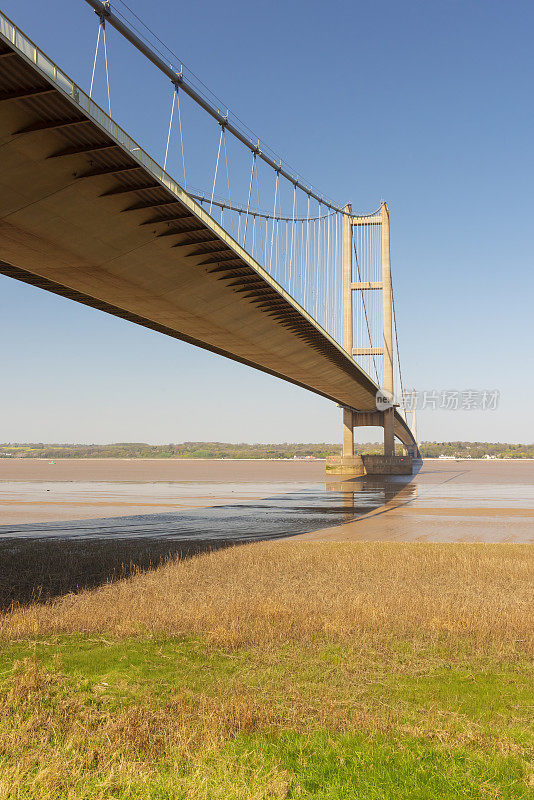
(342, 766)
(321, 720)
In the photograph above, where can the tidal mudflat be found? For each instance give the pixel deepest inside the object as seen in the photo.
(38, 490)
(443, 500)
(76, 524)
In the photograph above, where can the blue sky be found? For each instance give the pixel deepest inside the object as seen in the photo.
(425, 104)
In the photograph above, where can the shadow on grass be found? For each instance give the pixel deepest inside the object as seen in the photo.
(36, 570)
(46, 562)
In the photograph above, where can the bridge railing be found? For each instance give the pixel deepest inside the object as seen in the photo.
(32, 52)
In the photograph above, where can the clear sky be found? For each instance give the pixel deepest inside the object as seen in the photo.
(425, 104)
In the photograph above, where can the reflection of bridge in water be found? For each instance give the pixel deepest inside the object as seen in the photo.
(373, 493)
(87, 214)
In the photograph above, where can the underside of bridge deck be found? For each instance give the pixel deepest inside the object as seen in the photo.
(83, 216)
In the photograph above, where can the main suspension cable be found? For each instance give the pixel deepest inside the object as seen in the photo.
(202, 198)
(239, 130)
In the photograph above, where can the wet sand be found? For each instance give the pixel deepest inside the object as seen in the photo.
(40, 490)
(26, 502)
(444, 501)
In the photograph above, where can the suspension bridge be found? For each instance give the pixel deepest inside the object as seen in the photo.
(299, 288)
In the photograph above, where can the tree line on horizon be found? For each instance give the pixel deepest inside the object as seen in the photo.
(460, 449)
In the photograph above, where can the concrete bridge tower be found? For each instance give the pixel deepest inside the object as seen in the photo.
(349, 464)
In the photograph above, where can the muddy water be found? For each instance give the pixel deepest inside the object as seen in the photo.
(445, 501)
(238, 501)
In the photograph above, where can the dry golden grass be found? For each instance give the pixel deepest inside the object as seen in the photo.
(292, 591)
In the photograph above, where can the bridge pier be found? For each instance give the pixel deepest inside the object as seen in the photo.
(348, 433)
(388, 421)
(348, 465)
(353, 466)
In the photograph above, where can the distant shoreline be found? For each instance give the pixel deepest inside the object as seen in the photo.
(169, 458)
(188, 459)
(252, 452)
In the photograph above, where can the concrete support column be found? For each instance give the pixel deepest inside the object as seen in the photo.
(387, 323)
(348, 433)
(389, 432)
(414, 416)
(348, 422)
(347, 279)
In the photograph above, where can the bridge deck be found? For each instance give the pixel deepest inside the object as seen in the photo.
(86, 213)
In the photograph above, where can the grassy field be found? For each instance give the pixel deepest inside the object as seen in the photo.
(277, 670)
